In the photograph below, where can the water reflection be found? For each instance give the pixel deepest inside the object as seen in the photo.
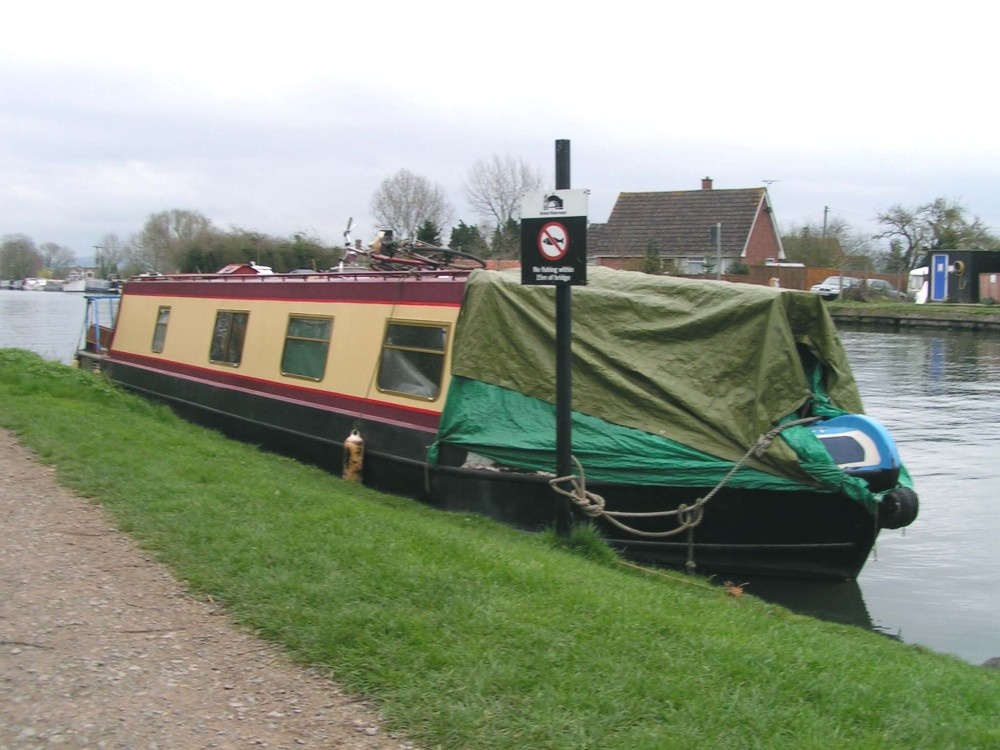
(835, 601)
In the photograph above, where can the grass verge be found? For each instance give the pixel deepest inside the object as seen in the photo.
(468, 634)
(946, 311)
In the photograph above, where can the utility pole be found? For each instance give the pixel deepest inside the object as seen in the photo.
(715, 236)
(826, 213)
(718, 251)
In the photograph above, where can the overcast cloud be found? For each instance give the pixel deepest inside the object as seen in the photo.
(286, 118)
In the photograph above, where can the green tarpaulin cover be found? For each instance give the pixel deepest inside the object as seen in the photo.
(673, 380)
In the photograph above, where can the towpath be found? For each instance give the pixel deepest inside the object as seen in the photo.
(101, 648)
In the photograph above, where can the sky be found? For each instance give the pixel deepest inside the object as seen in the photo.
(286, 117)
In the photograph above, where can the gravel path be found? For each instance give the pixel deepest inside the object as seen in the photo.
(101, 648)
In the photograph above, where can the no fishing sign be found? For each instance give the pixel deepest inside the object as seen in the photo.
(554, 238)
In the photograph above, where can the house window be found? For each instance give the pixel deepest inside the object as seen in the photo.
(412, 361)
(160, 331)
(306, 345)
(694, 265)
(227, 338)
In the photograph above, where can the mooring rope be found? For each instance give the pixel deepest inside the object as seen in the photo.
(688, 516)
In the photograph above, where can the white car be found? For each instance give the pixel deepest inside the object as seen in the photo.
(881, 289)
(832, 286)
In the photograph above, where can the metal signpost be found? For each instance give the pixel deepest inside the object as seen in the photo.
(554, 253)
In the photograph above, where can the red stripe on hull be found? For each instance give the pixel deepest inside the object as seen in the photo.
(446, 292)
(394, 414)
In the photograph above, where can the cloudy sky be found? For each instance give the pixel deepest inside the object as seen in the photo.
(286, 117)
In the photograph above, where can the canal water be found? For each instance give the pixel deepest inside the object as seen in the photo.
(49, 323)
(935, 583)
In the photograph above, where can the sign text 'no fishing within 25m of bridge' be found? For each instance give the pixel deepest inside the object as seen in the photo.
(554, 238)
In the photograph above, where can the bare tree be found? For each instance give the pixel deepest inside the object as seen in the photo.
(405, 201)
(58, 259)
(813, 246)
(109, 256)
(951, 229)
(907, 229)
(19, 258)
(832, 245)
(938, 225)
(495, 187)
(165, 238)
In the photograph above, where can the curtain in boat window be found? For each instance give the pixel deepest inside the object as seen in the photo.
(306, 345)
(160, 331)
(412, 361)
(227, 338)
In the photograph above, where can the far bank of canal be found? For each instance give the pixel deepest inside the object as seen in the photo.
(910, 316)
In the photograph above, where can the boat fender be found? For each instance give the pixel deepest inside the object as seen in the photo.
(898, 508)
(354, 456)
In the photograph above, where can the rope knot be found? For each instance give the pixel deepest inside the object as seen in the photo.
(689, 516)
(589, 503)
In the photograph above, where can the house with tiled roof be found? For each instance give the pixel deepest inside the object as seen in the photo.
(678, 227)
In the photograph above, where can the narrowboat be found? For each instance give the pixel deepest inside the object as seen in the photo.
(715, 425)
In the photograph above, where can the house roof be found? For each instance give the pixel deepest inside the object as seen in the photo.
(680, 222)
(245, 268)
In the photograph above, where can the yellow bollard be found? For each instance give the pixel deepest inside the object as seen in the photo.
(354, 456)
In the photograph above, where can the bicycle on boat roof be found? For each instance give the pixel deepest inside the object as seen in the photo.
(388, 254)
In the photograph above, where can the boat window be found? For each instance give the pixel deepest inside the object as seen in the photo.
(227, 339)
(160, 331)
(412, 361)
(306, 345)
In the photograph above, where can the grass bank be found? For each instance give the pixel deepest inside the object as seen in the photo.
(468, 634)
(931, 310)
(902, 315)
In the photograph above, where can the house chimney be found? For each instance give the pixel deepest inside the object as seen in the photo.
(706, 183)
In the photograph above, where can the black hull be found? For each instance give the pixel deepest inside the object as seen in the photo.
(297, 429)
(743, 532)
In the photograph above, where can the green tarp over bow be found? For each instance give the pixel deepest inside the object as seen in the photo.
(689, 373)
